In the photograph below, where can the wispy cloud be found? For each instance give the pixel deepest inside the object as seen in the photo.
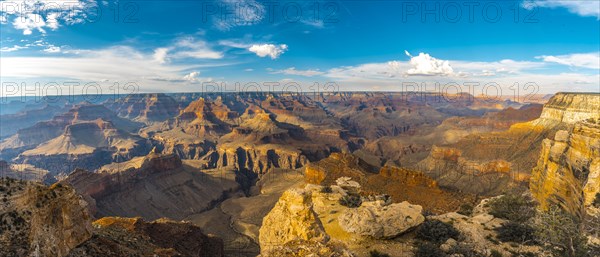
(582, 60)
(294, 71)
(12, 49)
(582, 8)
(243, 13)
(115, 64)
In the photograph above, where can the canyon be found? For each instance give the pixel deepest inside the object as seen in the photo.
(273, 174)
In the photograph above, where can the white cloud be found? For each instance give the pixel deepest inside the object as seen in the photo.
(185, 47)
(264, 50)
(192, 76)
(52, 49)
(160, 54)
(426, 65)
(120, 64)
(35, 15)
(12, 49)
(188, 47)
(583, 60)
(293, 71)
(582, 8)
(30, 22)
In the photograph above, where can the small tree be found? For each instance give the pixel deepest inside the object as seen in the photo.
(596, 202)
(561, 233)
(515, 208)
(436, 231)
(516, 232)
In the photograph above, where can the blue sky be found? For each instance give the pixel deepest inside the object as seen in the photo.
(176, 46)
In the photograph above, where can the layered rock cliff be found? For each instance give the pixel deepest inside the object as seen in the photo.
(568, 170)
(36, 220)
(572, 107)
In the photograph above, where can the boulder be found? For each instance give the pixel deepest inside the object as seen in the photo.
(375, 219)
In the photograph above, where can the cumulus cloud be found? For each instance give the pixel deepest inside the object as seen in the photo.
(582, 8)
(293, 71)
(582, 60)
(426, 65)
(192, 76)
(264, 50)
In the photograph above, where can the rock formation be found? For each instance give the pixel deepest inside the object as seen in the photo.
(36, 220)
(381, 221)
(568, 170)
(146, 108)
(151, 187)
(115, 236)
(87, 145)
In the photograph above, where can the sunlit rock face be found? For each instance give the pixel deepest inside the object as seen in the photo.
(572, 107)
(568, 170)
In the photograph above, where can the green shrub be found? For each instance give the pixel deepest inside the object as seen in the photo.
(516, 232)
(436, 231)
(326, 189)
(351, 201)
(596, 202)
(464, 251)
(375, 253)
(515, 208)
(426, 249)
(466, 209)
(495, 253)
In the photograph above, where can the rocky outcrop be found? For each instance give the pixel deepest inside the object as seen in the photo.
(572, 107)
(36, 220)
(378, 220)
(568, 170)
(115, 236)
(293, 228)
(258, 159)
(290, 220)
(328, 170)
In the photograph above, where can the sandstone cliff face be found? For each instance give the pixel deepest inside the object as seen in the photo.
(41, 221)
(258, 159)
(292, 219)
(568, 170)
(572, 107)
